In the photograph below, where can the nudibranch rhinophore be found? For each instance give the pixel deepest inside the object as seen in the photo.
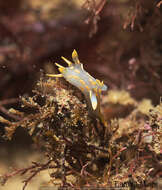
(90, 87)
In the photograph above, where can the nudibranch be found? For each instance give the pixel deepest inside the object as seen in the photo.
(90, 87)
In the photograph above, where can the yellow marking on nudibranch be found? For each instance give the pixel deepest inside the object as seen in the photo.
(73, 76)
(77, 71)
(92, 82)
(83, 83)
(87, 87)
(96, 90)
(82, 89)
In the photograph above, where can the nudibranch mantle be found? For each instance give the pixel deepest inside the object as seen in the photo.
(77, 76)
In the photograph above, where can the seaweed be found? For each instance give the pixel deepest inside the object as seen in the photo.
(58, 120)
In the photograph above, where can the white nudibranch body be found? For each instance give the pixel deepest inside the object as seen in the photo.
(77, 76)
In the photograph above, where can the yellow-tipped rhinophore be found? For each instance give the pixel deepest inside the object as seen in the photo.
(75, 57)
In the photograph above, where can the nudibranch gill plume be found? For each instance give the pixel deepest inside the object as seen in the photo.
(90, 87)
